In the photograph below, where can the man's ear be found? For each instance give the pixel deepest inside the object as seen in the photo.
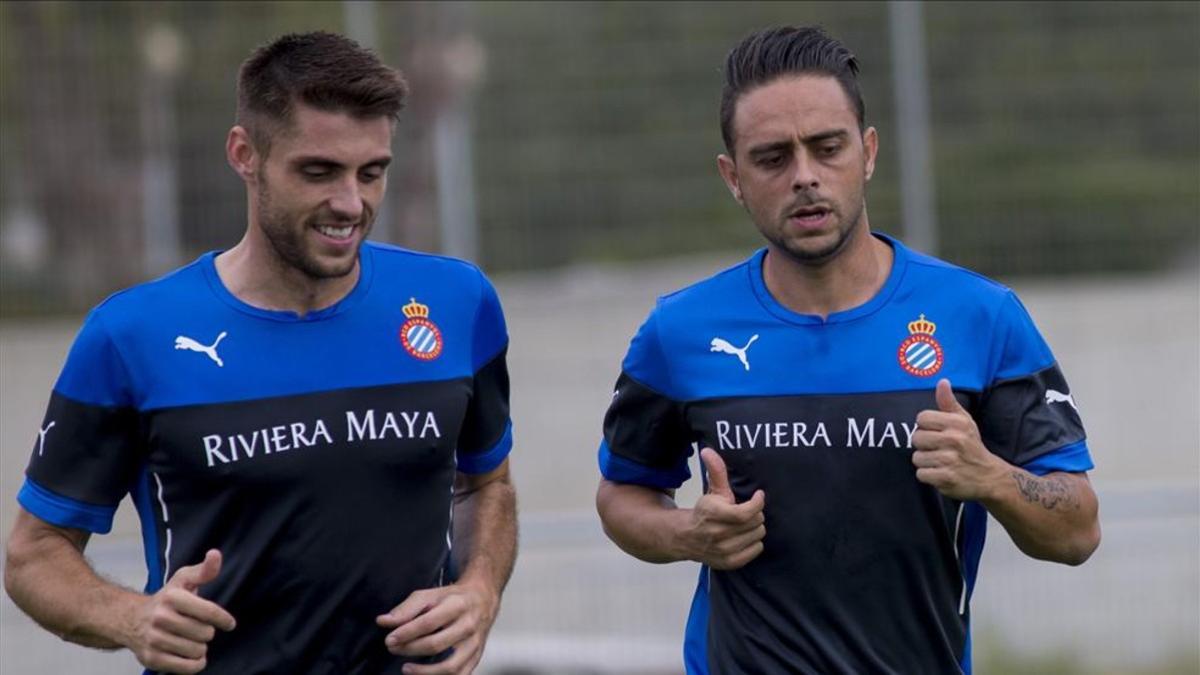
(870, 150)
(728, 170)
(241, 154)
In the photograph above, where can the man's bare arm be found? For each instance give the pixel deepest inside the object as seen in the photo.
(647, 524)
(644, 522)
(47, 576)
(431, 621)
(485, 527)
(1051, 517)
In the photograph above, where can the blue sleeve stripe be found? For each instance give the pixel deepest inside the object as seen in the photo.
(483, 462)
(64, 511)
(145, 509)
(695, 635)
(621, 470)
(1074, 457)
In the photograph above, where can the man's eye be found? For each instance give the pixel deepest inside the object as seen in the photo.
(315, 172)
(830, 150)
(771, 161)
(369, 176)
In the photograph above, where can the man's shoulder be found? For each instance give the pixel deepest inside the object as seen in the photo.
(727, 286)
(391, 259)
(149, 301)
(928, 271)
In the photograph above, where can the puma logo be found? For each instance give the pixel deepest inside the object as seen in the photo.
(42, 437)
(1053, 396)
(184, 342)
(723, 346)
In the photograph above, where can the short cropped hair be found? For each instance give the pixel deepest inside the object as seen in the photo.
(326, 71)
(776, 52)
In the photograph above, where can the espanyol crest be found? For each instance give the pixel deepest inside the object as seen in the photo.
(920, 354)
(420, 336)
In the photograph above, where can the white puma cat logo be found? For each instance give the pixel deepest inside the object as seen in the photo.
(1053, 396)
(42, 437)
(723, 346)
(184, 342)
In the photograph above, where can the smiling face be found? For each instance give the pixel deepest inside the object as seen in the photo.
(801, 165)
(316, 193)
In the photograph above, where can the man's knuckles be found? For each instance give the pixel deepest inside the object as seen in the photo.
(737, 559)
(167, 662)
(750, 553)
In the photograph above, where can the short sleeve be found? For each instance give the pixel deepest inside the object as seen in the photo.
(645, 436)
(486, 437)
(1028, 415)
(87, 452)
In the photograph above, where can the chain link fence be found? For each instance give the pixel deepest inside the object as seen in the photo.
(1065, 136)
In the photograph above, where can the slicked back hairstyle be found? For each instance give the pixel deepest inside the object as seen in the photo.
(781, 51)
(323, 70)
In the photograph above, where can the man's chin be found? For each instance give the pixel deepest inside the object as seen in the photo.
(816, 250)
(330, 267)
(813, 252)
(339, 270)
(333, 265)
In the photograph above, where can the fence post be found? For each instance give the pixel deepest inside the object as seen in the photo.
(911, 85)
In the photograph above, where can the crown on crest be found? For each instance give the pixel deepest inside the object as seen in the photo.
(922, 325)
(415, 309)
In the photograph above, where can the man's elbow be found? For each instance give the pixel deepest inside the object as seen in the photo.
(603, 498)
(1084, 545)
(18, 555)
(10, 572)
(1073, 549)
(612, 502)
(1084, 538)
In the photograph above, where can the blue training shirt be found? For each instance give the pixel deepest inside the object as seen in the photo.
(317, 453)
(864, 569)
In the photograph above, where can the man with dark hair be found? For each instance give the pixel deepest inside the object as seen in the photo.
(847, 481)
(298, 420)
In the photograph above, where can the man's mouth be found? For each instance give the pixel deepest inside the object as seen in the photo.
(340, 232)
(809, 214)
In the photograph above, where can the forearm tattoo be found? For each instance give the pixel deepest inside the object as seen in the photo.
(1053, 492)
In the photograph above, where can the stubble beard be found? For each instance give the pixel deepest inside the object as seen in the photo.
(794, 247)
(288, 241)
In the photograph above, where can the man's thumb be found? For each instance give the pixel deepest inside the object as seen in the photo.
(192, 577)
(945, 397)
(718, 477)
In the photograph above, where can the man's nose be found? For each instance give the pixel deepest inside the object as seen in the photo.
(804, 177)
(346, 201)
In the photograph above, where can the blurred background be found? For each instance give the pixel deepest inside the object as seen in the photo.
(569, 148)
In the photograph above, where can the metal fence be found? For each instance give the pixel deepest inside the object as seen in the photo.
(1065, 136)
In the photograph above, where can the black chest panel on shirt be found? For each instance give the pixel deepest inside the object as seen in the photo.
(333, 502)
(849, 530)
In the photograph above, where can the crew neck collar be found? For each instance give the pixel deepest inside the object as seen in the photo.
(899, 264)
(366, 272)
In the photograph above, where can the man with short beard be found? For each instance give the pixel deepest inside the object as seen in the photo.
(298, 420)
(859, 408)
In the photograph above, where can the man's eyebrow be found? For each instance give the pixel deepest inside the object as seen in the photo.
(305, 160)
(825, 136)
(308, 160)
(769, 147)
(776, 146)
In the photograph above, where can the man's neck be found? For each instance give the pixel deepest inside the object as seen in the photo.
(851, 278)
(254, 274)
